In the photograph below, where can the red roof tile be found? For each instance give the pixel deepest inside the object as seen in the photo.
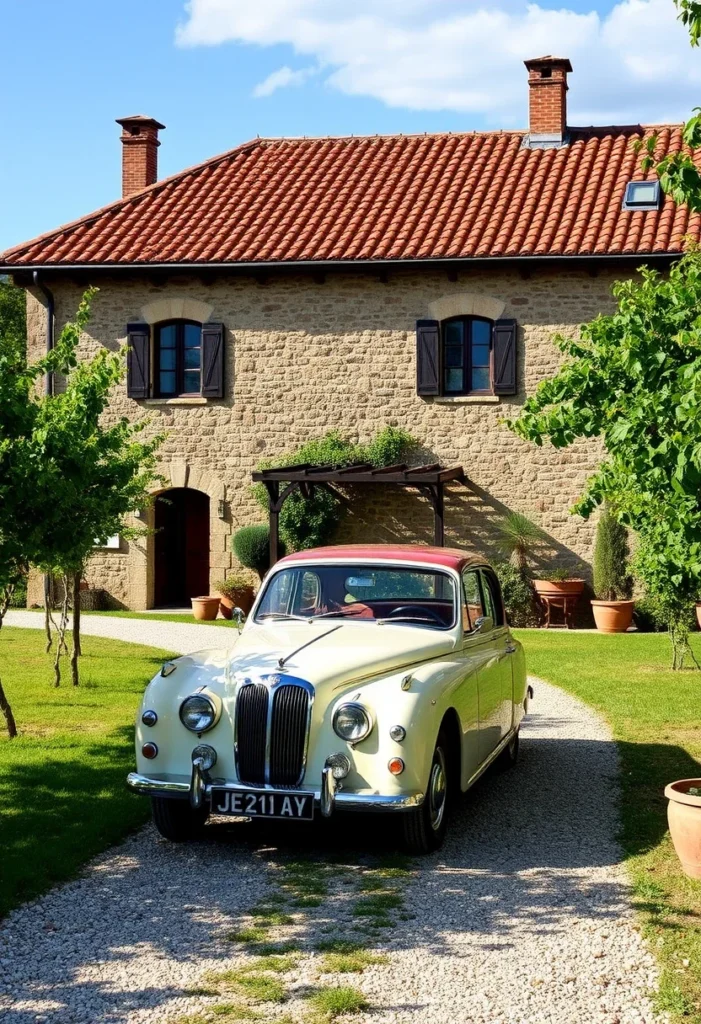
(482, 194)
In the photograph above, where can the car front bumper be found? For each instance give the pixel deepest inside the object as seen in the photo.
(328, 797)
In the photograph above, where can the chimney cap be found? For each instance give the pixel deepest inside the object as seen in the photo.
(139, 119)
(538, 62)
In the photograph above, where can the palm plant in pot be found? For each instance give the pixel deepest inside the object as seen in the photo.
(613, 584)
(236, 592)
(518, 538)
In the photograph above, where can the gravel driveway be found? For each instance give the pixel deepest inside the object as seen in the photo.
(523, 918)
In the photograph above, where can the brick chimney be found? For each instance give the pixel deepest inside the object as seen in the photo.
(139, 152)
(547, 101)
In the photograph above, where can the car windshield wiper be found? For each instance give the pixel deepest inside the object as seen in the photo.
(284, 615)
(406, 618)
(337, 611)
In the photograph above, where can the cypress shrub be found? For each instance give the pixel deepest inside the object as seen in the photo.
(612, 579)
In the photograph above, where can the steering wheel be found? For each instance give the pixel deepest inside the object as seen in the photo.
(416, 611)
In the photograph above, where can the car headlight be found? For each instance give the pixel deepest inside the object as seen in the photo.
(198, 713)
(352, 722)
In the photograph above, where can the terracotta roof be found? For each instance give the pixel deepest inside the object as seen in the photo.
(450, 196)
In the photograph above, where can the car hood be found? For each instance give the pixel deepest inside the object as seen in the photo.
(340, 652)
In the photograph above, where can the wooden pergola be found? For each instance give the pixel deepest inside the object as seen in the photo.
(429, 480)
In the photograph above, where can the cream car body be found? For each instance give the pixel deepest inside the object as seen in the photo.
(416, 681)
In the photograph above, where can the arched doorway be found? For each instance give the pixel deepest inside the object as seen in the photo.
(181, 546)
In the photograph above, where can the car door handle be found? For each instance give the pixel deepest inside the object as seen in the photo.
(510, 648)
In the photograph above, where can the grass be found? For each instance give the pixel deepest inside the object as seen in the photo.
(334, 1002)
(258, 987)
(654, 715)
(62, 792)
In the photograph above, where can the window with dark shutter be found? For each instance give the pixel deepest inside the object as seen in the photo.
(505, 339)
(428, 360)
(213, 361)
(138, 360)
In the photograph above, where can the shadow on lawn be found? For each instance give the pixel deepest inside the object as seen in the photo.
(528, 850)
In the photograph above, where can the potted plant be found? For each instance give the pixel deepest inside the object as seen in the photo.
(236, 592)
(558, 583)
(684, 817)
(518, 538)
(205, 608)
(613, 607)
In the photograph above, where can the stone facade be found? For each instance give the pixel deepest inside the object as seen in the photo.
(304, 356)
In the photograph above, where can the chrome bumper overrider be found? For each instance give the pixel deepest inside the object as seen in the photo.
(328, 797)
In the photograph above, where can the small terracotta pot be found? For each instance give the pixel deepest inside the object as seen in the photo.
(205, 608)
(698, 613)
(612, 616)
(684, 816)
(243, 599)
(562, 588)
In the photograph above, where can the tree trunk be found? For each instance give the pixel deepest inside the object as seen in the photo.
(76, 629)
(62, 646)
(4, 702)
(47, 612)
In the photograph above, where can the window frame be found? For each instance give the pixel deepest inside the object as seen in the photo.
(467, 344)
(631, 205)
(180, 324)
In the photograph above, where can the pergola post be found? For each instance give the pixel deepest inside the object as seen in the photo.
(438, 517)
(273, 488)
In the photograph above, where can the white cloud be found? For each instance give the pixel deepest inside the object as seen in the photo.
(281, 79)
(633, 63)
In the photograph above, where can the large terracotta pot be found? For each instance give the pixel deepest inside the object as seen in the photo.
(561, 588)
(612, 616)
(205, 608)
(684, 816)
(243, 599)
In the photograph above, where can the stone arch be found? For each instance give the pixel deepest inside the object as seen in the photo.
(176, 308)
(466, 304)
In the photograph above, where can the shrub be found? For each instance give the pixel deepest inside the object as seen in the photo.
(612, 580)
(650, 616)
(231, 586)
(251, 546)
(19, 596)
(518, 538)
(518, 595)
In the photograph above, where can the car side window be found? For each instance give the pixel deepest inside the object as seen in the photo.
(492, 600)
(472, 601)
(309, 595)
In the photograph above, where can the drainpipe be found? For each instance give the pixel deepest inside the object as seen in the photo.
(48, 295)
(49, 389)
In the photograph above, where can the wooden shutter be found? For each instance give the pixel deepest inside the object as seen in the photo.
(138, 360)
(505, 357)
(428, 357)
(213, 360)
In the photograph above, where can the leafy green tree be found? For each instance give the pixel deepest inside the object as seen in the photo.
(67, 480)
(634, 379)
(13, 320)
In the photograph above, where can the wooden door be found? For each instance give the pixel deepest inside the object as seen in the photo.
(181, 546)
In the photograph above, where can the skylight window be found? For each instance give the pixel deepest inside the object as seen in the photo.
(642, 195)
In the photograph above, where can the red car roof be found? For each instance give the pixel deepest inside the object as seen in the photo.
(450, 558)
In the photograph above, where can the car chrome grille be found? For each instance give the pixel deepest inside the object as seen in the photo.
(288, 735)
(271, 733)
(251, 732)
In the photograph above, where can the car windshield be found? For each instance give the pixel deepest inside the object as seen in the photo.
(422, 597)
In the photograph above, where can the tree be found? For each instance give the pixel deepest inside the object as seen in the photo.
(611, 575)
(13, 320)
(67, 480)
(634, 379)
(678, 174)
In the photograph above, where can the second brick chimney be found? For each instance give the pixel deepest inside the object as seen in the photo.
(139, 152)
(547, 100)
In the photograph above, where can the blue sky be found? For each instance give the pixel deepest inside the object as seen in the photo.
(217, 72)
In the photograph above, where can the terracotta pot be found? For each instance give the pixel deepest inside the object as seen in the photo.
(698, 613)
(205, 608)
(684, 816)
(243, 599)
(561, 588)
(612, 616)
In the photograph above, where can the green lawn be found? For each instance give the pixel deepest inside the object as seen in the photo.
(62, 792)
(655, 715)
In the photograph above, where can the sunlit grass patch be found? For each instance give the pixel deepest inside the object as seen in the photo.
(235, 1011)
(279, 964)
(350, 963)
(259, 987)
(334, 1002)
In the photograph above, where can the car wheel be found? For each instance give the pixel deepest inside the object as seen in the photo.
(176, 820)
(509, 755)
(424, 827)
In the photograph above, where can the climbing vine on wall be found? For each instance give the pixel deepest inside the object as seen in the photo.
(308, 522)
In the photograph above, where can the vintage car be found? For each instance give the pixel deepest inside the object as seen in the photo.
(366, 678)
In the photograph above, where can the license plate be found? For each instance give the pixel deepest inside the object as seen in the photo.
(255, 804)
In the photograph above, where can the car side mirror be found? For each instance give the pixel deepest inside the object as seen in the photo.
(483, 624)
(239, 616)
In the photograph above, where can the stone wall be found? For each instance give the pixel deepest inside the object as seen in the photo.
(304, 357)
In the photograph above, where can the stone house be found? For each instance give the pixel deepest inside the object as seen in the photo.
(292, 286)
